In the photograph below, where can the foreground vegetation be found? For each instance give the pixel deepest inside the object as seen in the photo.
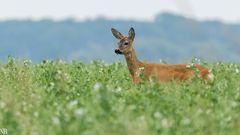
(55, 97)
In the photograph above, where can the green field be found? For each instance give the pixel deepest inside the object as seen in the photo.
(72, 98)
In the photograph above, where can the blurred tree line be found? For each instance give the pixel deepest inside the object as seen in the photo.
(169, 37)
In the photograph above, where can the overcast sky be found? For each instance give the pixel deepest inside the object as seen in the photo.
(225, 10)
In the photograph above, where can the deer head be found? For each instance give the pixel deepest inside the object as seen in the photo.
(126, 43)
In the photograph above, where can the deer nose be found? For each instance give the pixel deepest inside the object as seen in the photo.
(117, 51)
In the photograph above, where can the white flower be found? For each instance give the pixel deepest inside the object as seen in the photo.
(197, 61)
(24, 103)
(132, 107)
(61, 61)
(161, 61)
(166, 123)
(18, 113)
(36, 114)
(234, 104)
(188, 66)
(140, 71)
(59, 71)
(55, 120)
(72, 103)
(2, 105)
(208, 111)
(51, 84)
(186, 121)
(157, 115)
(237, 70)
(79, 112)
(97, 86)
(199, 111)
(119, 89)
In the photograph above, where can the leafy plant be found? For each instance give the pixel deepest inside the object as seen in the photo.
(58, 97)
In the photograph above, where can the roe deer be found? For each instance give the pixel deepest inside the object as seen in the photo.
(163, 72)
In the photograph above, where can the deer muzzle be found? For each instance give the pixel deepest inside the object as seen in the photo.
(117, 51)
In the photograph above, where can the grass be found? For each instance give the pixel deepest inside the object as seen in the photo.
(68, 98)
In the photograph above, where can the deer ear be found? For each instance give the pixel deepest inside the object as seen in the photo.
(131, 33)
(117, 34)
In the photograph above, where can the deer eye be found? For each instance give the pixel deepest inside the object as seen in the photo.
(126, 43)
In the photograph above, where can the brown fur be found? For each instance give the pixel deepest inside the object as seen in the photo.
(163, 72)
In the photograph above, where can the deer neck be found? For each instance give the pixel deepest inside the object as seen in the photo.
(133, 63)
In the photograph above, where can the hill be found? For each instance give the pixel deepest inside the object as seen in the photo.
(169, 37)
